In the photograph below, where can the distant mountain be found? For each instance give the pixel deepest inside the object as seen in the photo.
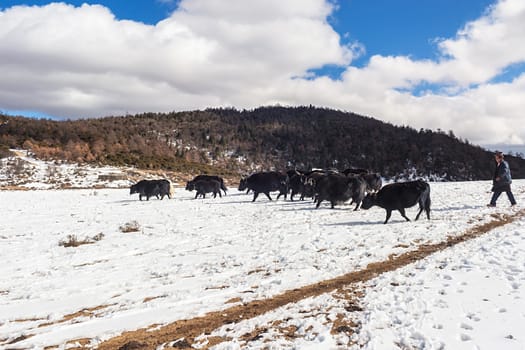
(230, 141)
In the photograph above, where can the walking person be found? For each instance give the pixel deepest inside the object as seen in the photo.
(501, 181)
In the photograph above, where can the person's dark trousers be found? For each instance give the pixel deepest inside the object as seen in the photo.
(499, 191)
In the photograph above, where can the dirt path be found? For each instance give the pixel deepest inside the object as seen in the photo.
(192, 328)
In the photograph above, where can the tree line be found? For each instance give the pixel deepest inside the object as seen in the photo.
(231, 141)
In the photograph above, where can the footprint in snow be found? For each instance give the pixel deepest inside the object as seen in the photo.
(441, 304)
(466, 326)
(473, 317)
(465, 337)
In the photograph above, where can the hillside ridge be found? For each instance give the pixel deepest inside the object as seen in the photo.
(231, 142)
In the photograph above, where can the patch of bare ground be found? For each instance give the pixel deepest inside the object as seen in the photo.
(342, 286)
(88, 312)
(32, 319)
(276, 328)
(13, 188)
(234, 300)
(72, 344)
(75, 344)
(74, 241)
(15, 340)
(148, 299)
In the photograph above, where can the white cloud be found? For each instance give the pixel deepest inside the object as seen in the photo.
(485, 46)
(205, 54)
(83, 62)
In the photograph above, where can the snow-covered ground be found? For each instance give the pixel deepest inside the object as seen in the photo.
(25, 172)
(184, 257)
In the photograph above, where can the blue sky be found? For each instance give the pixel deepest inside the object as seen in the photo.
(404, 27)
(438, 64)
(147, 11)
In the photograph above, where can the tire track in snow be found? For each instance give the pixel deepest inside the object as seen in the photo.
(191, 328)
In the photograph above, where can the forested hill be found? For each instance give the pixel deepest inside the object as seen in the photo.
(232, 141)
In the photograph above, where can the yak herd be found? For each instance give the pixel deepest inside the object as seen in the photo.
(358, 186)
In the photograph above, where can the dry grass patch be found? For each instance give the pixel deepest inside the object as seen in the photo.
(132, 226)
(18, 339)
(14, 188)
(217, 287)
(74, 241)
(87, 312)
(233, 300)
(81, 343)
(148, 299)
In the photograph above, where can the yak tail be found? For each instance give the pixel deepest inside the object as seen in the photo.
(426, 196)
(425, 200)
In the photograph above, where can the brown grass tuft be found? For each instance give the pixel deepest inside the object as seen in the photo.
(74, 241)
(132, 226)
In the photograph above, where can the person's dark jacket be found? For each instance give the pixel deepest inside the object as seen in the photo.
(502, 178)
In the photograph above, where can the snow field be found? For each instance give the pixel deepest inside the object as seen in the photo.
(190, 257)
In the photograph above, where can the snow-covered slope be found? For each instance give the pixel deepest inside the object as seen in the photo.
(155, 262)
(23, 171)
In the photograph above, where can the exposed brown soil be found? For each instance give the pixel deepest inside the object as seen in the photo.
(192, 328)
(89, 312)
(13, 188)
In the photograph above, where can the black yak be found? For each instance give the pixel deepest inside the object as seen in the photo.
(400, 195)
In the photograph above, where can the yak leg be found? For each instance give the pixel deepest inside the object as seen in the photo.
(255, 195)
(419, 212)
(403, 214)
(196, 194)
(268, 195)
(388, 214)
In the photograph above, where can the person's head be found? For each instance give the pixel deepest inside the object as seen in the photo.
(498, 156)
